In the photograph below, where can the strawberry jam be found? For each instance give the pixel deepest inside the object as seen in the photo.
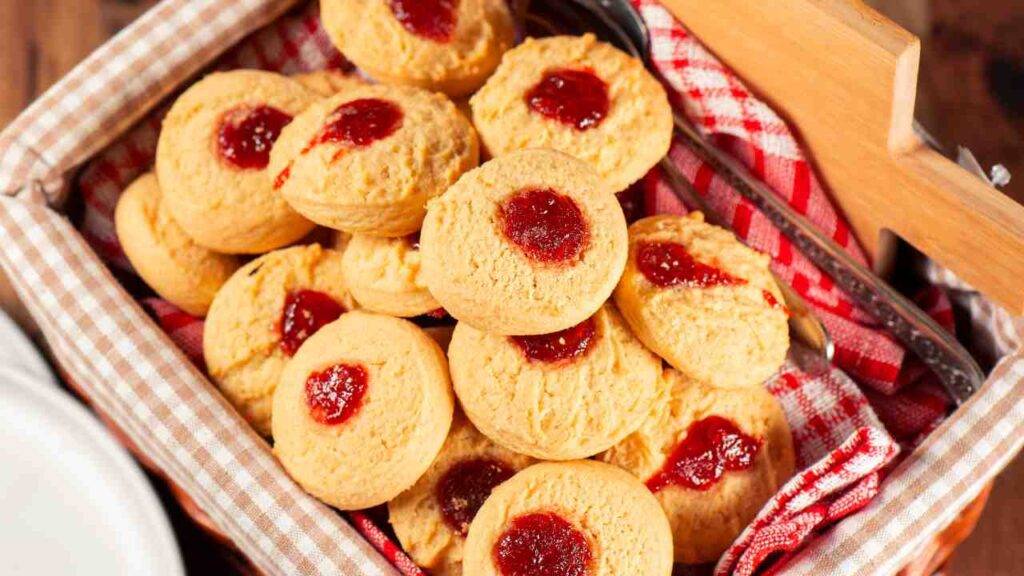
(305, 312)
(431, 19)
(542, 544)
(668, 264)
(563, 345)
(360, 123)
(712, 447)
(246, 135)
(577, 98)
(547, 226)
(462, 490)
(334, 395)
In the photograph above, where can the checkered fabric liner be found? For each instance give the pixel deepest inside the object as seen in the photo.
(148, 387)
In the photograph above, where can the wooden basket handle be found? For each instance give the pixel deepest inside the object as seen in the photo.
(845, 78)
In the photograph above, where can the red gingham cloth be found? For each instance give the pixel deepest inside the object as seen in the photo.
(841, 444)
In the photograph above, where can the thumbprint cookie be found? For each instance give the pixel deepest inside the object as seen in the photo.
(431, 518)
(703, 301)
(559, 396)
(712, 457)
(328, 82)
(212, 157)
(383, 275)
(580, 518)
(529, 243)
(261, 317)
(362, 410)
(449, 46)
(579, 96)
(367, 159)
(180, 271)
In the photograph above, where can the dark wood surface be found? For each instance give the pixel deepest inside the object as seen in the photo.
(972, 93)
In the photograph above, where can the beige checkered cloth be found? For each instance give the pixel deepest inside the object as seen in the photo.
(137, 377)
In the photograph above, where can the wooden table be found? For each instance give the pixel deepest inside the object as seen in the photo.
(972, 93)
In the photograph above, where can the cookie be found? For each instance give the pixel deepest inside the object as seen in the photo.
(383, 275)
(712, 456)
(362, 410)
(175, 267)
(582, 518)
(529, 243)
(212, 156)
(560, 396)
(328, 82)
(449, 46)
(431, 518)
(579, 96)
(367, 160)
(703, 301)
(261, 317)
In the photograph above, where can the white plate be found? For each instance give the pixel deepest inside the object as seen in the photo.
(72, 501)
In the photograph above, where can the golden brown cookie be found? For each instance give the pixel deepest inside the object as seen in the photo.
(362, 410)
(212, 156)
(383, 275)
(712, 456)
(579, 96)
(449, 46)
(328, 82)
(560, 396)
(431, 518)
(529, 243)
(367, 160)
(579, 518)
(703, 301)
(175, 267)
(262, 315)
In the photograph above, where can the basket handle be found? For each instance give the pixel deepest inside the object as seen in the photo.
(845, 78)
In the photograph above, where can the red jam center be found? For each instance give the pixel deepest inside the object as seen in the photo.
(305, 312)
(545, 225)
(334, 395)
(712, 446)
(542, 544)
(667, 264)
(430, 19)
(567, 344)
(247, 134)
(577, 98)
(464, 488)
(360, 123)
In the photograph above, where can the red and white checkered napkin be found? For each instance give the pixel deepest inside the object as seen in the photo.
(841, 444)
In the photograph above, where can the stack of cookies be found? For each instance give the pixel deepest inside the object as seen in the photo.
(531, 386)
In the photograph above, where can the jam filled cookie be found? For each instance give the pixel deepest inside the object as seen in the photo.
(260, 318)
(578, 96)
(431, 518)
(383, 275)
(451, 46)
(712, 456)
(529, 243)
(703, 301)
(181, 272)
(580, 518)
(212, 157)
(367, 160)
(362, 410)
(560, 396)
(328, 82)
